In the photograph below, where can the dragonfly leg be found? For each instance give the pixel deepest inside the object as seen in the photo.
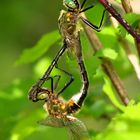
(97, 28)
(68, 83)
(83, 3)
(83, 10)
(50, 78)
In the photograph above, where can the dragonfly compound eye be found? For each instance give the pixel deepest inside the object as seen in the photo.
(72, 4)
(42, 96)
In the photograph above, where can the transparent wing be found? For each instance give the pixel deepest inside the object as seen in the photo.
(53, 122)
(76, 128)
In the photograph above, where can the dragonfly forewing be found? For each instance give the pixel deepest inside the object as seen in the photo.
(53, 122)
(76, 128)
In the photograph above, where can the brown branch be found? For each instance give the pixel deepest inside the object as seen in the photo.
(107, 65)
(116, 81)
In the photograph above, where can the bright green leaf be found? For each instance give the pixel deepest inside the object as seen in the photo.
(132, 19)
(32, 54)
(108, 53)
(42, 65)
(107, 88)
(124, 126)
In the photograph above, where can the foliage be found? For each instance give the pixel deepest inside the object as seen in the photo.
(30, 55)
(103, 112)
(124, 126)
(131, 18)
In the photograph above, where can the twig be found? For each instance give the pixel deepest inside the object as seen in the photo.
(122, 21)
(116, 81)
(107, 65)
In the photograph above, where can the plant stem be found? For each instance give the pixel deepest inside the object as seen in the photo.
(116, 81)
(119, 18)
(127, 6)
(106, 64)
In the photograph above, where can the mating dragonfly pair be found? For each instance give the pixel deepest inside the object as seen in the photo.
(60, 112)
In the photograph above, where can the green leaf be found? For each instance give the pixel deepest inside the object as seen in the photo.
(108, 37)
(42, 65)
(32, 54)
(25, 127)
(108, 53)
(132, 19)
(125, 126)
(107, 88)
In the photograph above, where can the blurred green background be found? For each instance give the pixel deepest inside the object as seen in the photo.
(22, 24)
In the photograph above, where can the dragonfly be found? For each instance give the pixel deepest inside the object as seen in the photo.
(60, 112)
(119, 18)
(68, 23)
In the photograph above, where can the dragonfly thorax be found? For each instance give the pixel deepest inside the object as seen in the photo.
(68, 23)
(55, 106)
(58, 108)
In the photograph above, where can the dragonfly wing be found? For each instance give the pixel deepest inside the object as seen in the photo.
(77, 130)
(53, 122)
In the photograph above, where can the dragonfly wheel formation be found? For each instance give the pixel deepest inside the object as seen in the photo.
(60, 113)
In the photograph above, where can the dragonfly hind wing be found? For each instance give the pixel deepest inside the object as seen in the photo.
(51, 121)
(76, 129)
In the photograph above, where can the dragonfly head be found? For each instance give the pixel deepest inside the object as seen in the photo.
(37, 93)
(72, 5)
